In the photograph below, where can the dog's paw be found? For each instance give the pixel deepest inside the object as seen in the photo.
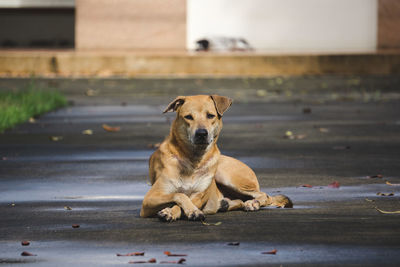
(223, 205)
(252, 205)
(281, 201)
(196, 215)
(166, 215)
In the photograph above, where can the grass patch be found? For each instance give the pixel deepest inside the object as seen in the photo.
(18, 107)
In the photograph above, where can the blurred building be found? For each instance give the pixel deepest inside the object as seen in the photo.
(333, 26)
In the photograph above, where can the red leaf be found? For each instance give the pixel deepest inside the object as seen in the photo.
(307, 185)
(272, 252)
(109, 128)
(131, 254)
(25, 243)
(152, 260)
(169, 254)
(335, 184)
(26, 253)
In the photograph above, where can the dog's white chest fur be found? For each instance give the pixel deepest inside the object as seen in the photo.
(191, 185)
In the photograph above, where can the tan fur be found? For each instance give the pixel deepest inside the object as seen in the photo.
(190, 178)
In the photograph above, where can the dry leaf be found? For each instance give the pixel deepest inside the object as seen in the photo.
(369, 200)
(180, 261)
(131, 254)
(56, 138)
(67, 208)
(32, 120)
(152, 260)
(389, 183)
(335, 184)
(272, 252)
(76, 226)
(233, 244)
(291, 136)
(109, 128)
(388, 212)
(25, 243)
(169, 254)
(307, 185)
(385, 194)
(87, 132)
(26, 253)
(324, 130)
(208, 224)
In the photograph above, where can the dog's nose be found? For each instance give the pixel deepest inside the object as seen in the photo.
(201, 133)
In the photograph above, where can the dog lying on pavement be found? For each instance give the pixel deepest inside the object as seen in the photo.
(189, 176)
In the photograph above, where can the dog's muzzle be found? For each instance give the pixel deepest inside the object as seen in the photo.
(201, 137)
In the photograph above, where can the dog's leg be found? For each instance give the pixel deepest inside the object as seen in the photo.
(170, 214)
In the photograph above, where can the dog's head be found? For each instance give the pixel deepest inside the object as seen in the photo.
(199, 118)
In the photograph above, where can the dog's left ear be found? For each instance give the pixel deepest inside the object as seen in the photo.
(173, 106)
(222, 103)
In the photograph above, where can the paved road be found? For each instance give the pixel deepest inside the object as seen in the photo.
(345, 136)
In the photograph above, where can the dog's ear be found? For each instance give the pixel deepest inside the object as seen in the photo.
(222, 103)
(173, 106)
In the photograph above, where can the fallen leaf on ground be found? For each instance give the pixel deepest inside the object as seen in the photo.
(32, 120)
(290, 135)
(87, 132)
(341, 147)
(25, 243)
(152, 260)
(233, 244)
(156, 145)
(180, 261)
(389, 183)
(56, 138)
(212, 224)
(26, 253)
(335, 184)
(67, 208)
(76, 226)
(131, 254)
(375, 176)
(369, 200)
(109, 128)
(169, 254)
(385, 194)
(272, 252)
(307, 185)
(324, 130)
(388, 212)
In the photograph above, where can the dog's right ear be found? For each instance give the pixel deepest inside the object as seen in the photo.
(174, 105)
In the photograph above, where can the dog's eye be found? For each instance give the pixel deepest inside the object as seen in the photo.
(189, 117)
(210, 116)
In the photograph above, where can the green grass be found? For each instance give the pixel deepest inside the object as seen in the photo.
(18, 107)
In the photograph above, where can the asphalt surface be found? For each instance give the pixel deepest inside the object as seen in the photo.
(346, 129)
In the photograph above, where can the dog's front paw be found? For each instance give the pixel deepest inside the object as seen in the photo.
(196, 215)
(166, 215)
(281, 201)
(252, 205)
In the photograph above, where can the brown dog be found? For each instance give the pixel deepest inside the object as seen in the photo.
(188, 174)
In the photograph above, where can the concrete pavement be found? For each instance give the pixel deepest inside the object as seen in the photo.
(344, 134)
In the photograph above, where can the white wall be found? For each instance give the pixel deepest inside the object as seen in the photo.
(298, 26)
